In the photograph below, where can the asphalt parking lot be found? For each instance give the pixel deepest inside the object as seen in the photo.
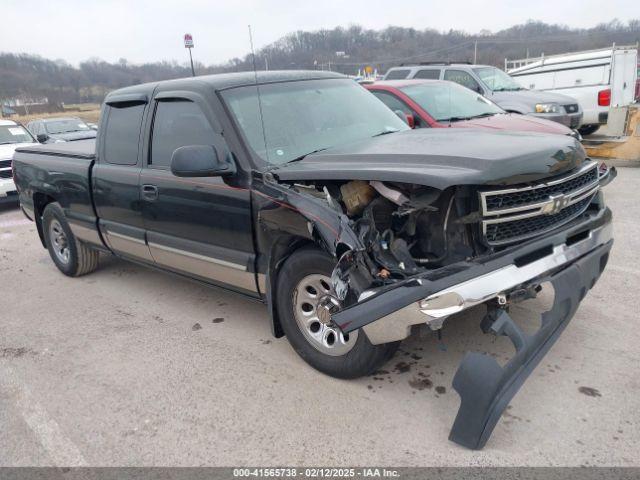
(128, 366)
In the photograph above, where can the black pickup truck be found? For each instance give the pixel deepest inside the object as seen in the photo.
(303, 190)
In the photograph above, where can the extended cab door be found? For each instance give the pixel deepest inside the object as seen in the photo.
(116, 177)
(198, 226)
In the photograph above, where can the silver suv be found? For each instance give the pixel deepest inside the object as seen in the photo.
(493, 83)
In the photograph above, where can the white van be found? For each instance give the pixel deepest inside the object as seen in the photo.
(12, 136)
(597, 79)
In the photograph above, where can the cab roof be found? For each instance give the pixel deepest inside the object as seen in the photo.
(224, 81)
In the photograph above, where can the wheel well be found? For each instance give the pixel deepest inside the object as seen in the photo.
(280, 252)
(341, 249)
(40, 201)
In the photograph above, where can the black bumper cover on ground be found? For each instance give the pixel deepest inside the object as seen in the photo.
(485, 388)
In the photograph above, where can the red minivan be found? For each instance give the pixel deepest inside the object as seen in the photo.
(441, 104)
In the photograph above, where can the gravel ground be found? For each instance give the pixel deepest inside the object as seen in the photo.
(128, 366)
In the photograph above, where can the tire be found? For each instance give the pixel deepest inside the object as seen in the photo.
(588, 129)
(73, 258)
(350, 357)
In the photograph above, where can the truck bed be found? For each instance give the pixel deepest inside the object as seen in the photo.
(61, 171)
(78, 149)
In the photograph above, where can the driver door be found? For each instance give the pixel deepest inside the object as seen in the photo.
(201, 227)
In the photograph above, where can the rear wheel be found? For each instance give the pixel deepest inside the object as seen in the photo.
(73, 258)
(304, 288)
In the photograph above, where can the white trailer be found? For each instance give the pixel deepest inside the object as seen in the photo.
(597, 79)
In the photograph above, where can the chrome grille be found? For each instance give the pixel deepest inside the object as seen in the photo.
(516, 214)
(507, 231)
(496, 202)
(5, 169)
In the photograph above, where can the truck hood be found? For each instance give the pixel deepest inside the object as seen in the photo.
(441, 158)
(530, 97)
(7, 151)
(515, 123)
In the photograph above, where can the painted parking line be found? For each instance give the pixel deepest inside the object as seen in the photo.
(62, 451)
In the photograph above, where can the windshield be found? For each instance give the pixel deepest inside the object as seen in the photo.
(307, 116)
(448, 101)
(66, 125)
(497, 80)
(14, 134)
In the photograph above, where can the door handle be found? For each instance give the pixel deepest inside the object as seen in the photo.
(150, 192)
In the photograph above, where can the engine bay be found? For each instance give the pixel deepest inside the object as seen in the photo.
(406, 229)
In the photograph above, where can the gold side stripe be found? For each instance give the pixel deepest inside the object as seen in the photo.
(199, 257)
(126, 237)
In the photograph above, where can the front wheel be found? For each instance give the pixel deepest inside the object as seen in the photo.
(304, 285)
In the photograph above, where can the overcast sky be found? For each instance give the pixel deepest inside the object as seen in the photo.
(151, 30)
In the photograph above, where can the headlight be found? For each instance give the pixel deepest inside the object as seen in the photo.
(547, 108)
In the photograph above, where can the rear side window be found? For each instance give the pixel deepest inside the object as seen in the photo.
(463, 78)
(391, 101)
(429, 74)
(177, 124)
(397, 74)
(122, 134)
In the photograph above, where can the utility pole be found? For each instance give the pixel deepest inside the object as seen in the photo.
(475, 52)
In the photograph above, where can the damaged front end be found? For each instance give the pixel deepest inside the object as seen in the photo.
(418, 255)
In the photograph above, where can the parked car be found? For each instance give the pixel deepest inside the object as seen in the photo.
(596, 79)
(67, 129)
(12, 136)
(498, 87)
(441, 104)
(312, 196)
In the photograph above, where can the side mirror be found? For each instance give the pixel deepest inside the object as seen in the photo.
(199, 161)
(411, 121)
(406, 118)
(42, 137)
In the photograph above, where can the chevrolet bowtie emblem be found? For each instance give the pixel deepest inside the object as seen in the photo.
(555, 204)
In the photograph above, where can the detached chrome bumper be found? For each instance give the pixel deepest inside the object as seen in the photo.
(571, 260)
(435, 308)
(388, 313)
